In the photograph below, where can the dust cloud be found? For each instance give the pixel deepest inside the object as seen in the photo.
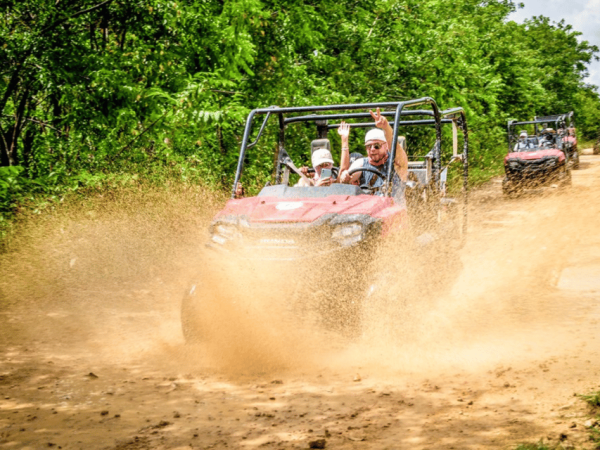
(105, 280)
(430, 346)
(96, 277)
(503, 305)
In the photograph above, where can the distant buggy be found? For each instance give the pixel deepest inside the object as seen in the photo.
(545, 157)
(566, 133)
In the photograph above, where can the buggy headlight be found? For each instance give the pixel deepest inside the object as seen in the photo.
(348, 234)
(346, 230)
(224, 232)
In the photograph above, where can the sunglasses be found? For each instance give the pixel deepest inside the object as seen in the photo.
(375, 146)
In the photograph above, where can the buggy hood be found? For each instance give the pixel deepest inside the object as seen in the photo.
(535, 155)
(272, 209)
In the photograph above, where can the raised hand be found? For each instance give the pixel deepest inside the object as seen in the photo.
(380, 120)
(344, 130)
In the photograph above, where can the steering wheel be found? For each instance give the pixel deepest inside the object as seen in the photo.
(365, 187)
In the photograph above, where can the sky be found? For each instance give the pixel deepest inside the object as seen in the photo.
(583, 15)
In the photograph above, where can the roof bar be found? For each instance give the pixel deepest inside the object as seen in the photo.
(355, 115)
(404, 122)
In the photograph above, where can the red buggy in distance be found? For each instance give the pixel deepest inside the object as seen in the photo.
(338, 225)
(564, 124)
(542, 159)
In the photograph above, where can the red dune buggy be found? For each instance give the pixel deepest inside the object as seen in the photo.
(541, 158)
(287, 227)
(564, 124)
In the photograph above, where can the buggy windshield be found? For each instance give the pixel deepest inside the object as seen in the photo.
(283, 191)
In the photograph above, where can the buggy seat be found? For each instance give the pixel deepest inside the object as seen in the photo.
(421, 170)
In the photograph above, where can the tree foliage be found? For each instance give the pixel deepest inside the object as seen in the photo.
(94, 87)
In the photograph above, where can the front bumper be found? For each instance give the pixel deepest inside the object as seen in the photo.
(327, 237)
(532, 170)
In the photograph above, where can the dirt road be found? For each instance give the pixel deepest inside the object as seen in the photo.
(92, 355)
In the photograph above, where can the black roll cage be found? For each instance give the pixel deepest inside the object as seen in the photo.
(567, 118)
(561, 122)
(456, 116)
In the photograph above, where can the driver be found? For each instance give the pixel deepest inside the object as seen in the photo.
(377, 143)
(523, 142)
(547, 138)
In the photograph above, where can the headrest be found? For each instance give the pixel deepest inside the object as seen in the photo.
(354, 156)
(319, 143)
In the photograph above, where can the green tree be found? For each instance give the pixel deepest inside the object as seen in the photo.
(93, 88)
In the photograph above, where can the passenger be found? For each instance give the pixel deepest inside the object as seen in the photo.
(547, 140)
(322, 159)
(523, 142)
(378, 141)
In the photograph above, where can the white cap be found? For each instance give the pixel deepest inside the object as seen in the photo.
(523, 134)
(376, 134)
(321, 156)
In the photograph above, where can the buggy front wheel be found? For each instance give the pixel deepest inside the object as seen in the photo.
(509, 188)
(575, 160)
(565, 179)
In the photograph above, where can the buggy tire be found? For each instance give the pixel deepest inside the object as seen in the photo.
(565, 179)
(508, 188)
(575, 161)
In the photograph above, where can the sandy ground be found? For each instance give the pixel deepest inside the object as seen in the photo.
(92, 355)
